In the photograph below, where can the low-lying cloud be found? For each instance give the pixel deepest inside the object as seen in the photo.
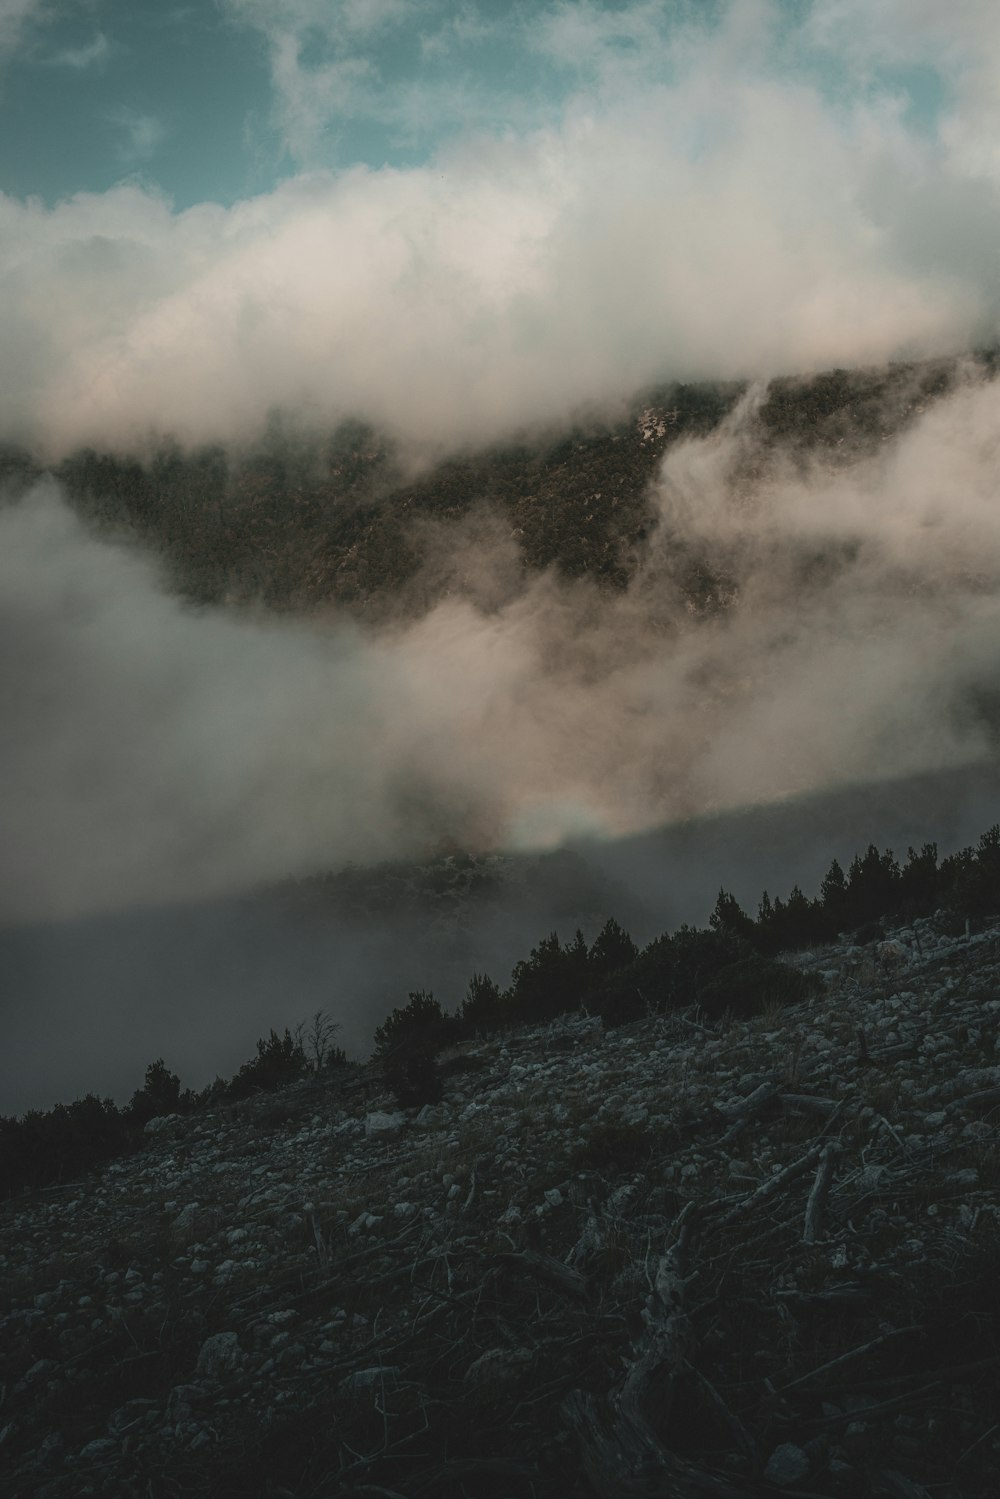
(156, 751)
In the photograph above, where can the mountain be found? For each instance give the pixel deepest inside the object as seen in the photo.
(301, 519)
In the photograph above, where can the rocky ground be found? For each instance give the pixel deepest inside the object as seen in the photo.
(662, 1260)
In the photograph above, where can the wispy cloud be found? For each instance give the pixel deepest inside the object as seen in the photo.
(93, 54)
(335, 62)
(18, 19)
(139, 135)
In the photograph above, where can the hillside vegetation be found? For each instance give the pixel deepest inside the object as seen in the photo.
(299, 520)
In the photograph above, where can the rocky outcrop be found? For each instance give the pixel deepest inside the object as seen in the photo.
(666, 1259)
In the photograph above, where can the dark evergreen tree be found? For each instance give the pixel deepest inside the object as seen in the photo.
(421, 1022)
(484, 1007)
(873, 887)
(833, 899)
(553, 980)
(612, 949)
(919, 886)
(729, 916)
(159, 1095)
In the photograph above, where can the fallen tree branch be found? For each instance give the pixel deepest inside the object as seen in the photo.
(849, 1357)
(621, 1452)
(772, 1186)
(816, 1201)
(552, 1272)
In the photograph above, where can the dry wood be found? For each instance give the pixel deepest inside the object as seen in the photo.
(740, 1108)
(849, 1357)
(898, 1486)
(986, 1098)
(732, 1422)
(624, 1463)
(621, 1453)
(816, 1201)
(546, 1268)
(809, 1105)
(772, 1186)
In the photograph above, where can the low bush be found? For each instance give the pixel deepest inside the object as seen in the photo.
(750, 985)
(279, 1060)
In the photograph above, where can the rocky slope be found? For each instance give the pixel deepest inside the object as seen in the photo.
(662, 1260)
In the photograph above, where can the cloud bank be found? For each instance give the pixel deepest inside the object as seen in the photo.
(154, 752)
(695, 207)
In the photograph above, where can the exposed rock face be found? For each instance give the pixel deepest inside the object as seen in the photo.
(668, 1259)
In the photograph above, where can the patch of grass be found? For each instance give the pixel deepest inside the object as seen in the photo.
(614, 1146)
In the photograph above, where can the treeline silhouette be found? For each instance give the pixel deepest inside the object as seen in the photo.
(55, 1145)
(729, 968)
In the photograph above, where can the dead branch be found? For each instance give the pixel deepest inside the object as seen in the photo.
(553, 1272)
(849, 1357)
(816, 1201)
(772, 1186)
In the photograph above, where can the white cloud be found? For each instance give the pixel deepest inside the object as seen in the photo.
(322, 67)
(683, 232)
(691, 210)
(959, 42)
(721, 220)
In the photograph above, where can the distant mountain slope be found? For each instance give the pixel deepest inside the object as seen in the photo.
(302, 519)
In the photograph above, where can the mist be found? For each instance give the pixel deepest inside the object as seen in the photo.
(157, 751)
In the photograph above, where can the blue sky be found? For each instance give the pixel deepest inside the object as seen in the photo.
(219, 99)
(94, 93)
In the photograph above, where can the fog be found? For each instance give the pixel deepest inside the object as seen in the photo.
(89, 1003)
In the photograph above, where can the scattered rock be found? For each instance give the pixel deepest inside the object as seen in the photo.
(220, 1356)
(436, 1268)
(786, 1465)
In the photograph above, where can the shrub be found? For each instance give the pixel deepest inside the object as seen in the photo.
(484, 1007)
(421, 1023)
(279, 1060)
(414, 1078)
(667, 974)
(748, 986)
(408, 1041)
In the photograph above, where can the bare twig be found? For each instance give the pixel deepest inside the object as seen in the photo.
(849, 1357)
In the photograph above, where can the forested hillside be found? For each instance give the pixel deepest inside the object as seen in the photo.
(302, 519)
